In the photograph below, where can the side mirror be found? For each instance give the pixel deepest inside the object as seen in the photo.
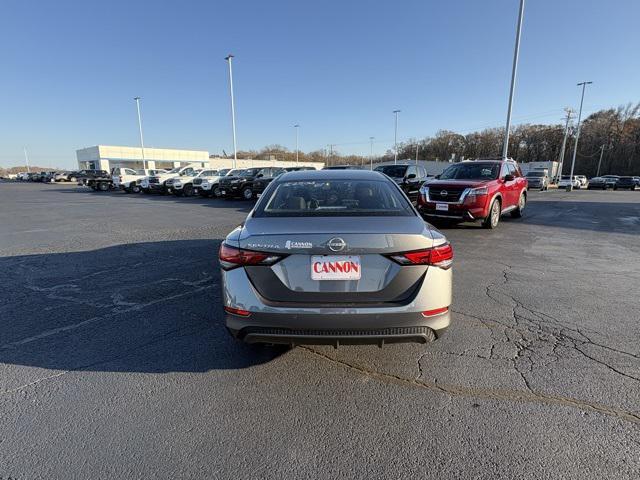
(509, 178)
(410, 176)
(259, 175)
(437, 177)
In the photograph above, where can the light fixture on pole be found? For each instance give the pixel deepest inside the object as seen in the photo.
(297, 127)
(516, 53)
(575, 145)
(558, 174)
(228, 58)
(371, 154)
(395, 136)
(144, 162)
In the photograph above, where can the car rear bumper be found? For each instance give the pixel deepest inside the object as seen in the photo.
(351, 323)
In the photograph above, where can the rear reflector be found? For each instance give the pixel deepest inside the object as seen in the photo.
(237, 311)
(437, 311)
(440, 256)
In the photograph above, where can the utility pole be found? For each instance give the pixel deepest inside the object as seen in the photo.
(331, 152)
(395, 136)
(371, 154)
(144, 162)
(417, 148)
(297, 127)
(564, 144)
(575, 146)
(228, 58)
(516, 53)
(600, 161)
(26, 159)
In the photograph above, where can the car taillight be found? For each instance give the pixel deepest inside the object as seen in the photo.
(440, 256)
(231, 257)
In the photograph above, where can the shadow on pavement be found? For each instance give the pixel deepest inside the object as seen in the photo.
(145, 307)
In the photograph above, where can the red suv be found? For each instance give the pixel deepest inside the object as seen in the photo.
(475, 190)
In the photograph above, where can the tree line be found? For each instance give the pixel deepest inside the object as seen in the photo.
(616, 131)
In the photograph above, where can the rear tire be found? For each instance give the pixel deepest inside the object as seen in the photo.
(216, 192)
(522, 203)
(247, 193)
(493, 219)
(135, 189)
(103, 186)
(188, 191)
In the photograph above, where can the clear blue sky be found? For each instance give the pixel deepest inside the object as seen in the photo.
(69, 70)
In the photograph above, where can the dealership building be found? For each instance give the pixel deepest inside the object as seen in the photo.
(106, 157)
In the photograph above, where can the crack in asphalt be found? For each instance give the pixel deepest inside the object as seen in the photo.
(489, 394)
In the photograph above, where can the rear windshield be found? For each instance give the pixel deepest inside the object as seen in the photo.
(249, 172)
(324, 198)
(471, 171)
(394, 171)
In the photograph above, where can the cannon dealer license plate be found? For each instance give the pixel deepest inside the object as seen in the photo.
(335, 267)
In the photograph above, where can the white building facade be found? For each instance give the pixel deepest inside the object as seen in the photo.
(106, 157)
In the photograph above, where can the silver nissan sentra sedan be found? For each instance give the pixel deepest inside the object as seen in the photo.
(335, 256)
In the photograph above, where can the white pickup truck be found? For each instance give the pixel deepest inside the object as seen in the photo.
(129, 180)
(157, 183)
(208, 186)
(183, 184)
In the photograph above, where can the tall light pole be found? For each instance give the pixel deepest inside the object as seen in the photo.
(371, 154)
(417, 149)
(575, 145)
(600, 161)
(26, 159)
(516, 54)
(395, 136)
(144, 162)
(297, 127)
(564, 144)
(233, 110)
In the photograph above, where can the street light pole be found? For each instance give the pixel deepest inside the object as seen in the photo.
(371, 154)
(26, 159)
(575, 145)
(417, 148)
(233, 110)
(144, 162)
(564, 144)
(395, 136)
(516, 53)
(296, 126)
(600, 161)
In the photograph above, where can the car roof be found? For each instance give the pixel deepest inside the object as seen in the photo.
(347, 174)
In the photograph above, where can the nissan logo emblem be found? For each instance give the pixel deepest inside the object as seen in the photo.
(336, 244)
(444, 193)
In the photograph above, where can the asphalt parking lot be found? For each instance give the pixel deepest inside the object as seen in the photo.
(114, 361)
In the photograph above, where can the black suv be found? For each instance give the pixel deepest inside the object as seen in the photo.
(625, 183)
(240, 185)
(265, 177)
(408, 177)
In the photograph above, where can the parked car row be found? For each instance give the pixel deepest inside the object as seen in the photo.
(614, 182)
(48, 176)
